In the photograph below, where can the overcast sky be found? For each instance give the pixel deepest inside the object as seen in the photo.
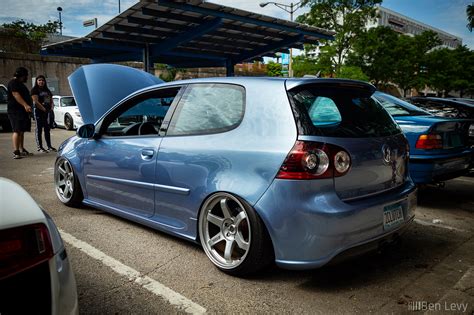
(447, 15)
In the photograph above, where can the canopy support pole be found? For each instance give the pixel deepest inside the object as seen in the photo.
(229, 66)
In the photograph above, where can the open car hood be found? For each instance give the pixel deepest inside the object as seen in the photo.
(98, 87)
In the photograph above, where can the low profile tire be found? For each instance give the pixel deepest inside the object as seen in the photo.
(233, 236)
(66, 184)
(68, 122)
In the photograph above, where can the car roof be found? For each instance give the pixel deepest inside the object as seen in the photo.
(290, 82)
(17, 208)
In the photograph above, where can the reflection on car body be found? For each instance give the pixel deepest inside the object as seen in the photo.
(295, 171)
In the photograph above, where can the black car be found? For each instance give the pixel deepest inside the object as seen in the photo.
(449, 108)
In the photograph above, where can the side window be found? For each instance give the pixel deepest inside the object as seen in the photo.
(3, 95)
(141, 116)
(208, 108)
(56, 102)
(323, 111)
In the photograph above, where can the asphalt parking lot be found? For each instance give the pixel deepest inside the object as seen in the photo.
(122, 267)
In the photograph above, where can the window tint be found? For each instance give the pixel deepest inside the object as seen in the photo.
(68, 101)
(339, 112)
(142, 115)
(208, 108)
(324, 111)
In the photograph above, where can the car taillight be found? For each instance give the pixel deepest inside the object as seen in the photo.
(431, 141)
(314, 160)
(23, 247)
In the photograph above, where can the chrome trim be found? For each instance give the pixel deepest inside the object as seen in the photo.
(165, 188)
(172, 189)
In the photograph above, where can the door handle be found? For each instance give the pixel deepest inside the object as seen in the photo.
(147, 153)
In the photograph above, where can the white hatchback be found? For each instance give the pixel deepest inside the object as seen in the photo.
(66, 113)
(35, 274)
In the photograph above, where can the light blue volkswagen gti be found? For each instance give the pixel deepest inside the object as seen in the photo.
(256, 170)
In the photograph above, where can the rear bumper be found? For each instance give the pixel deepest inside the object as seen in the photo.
(309, 229)
(428, 169)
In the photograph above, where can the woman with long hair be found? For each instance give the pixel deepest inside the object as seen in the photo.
(42, 98)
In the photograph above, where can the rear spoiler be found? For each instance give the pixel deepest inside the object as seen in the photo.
(331, 83)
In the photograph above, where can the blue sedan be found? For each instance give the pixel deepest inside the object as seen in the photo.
(439, 147)
(256, 170)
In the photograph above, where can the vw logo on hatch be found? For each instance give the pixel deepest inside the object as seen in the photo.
(387, 154)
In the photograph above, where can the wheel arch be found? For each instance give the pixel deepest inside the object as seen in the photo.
(242, 199)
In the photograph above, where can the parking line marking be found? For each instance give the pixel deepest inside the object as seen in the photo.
(447, 227)
(464, 180)
(172, 297)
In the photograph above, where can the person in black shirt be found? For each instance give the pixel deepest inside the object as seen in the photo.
(42, 98)
(19, 109)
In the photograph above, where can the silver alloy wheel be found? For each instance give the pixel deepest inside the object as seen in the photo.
(64, 180)
(225, 230)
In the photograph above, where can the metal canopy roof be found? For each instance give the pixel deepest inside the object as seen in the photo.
(188, 33)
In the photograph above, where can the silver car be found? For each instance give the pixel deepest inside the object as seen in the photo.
(33, 261)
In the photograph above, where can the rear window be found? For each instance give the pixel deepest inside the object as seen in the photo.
(397, 107)
(340, 112)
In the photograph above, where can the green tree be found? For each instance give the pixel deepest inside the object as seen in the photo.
(352, 72)
(440, 67)
(449, 70)
(274, 69)
(470, 16)
(374, 53)
(410, 69)
(302, 66)
(346, 17)
(21, 36)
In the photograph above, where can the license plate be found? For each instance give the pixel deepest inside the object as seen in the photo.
(392, 216)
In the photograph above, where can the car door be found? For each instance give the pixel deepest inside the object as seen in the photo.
(120, 164)
(193, 158)
(58, 113)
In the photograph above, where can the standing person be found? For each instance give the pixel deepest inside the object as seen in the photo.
(19, 109)
(42, 98)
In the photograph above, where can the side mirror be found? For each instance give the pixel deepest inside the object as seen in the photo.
(86, 131)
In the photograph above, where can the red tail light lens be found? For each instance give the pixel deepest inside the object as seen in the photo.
(313, 160)
(23, 247)
(428, 142)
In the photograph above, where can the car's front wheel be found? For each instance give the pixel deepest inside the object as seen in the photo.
(66, 183)
(233, 236)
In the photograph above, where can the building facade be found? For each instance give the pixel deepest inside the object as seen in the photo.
(408, 26)
(404, 25)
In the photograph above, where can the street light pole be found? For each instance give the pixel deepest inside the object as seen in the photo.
(290, 8)
(60, 22)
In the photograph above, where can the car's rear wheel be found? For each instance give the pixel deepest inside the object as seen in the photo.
(233, 236)
(68, 122)
(66, 183)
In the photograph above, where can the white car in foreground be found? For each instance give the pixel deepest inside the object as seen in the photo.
(66, 113)
(35, 273)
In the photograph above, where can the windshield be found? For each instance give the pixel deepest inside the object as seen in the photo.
(339, 112)
(68, 101)
(397, 107)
